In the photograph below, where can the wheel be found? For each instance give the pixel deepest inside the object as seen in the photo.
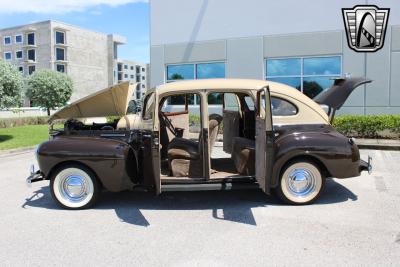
(301, 182)
(74, 187)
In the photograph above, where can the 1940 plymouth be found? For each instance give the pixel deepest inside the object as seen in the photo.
(276, 138)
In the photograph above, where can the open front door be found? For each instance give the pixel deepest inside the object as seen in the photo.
(150, 167)
(264, 139)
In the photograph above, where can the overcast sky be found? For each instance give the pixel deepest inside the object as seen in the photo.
(129, 18)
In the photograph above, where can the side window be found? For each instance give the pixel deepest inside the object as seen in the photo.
(282, 107)
(230, 101)
(148, 110)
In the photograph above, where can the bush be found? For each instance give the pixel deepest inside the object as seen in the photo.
(14, 122)
(373, 126)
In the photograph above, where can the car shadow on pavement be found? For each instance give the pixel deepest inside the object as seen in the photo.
(234, 206)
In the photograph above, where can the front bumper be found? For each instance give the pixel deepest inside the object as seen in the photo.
(35, 176)
(366, 165)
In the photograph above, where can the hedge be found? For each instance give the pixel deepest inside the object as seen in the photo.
(21, 121)
(371, 126)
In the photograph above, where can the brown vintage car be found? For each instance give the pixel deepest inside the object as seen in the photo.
(200, 135)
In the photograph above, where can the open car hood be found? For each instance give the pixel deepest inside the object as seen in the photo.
(112, 101)
(335, 96)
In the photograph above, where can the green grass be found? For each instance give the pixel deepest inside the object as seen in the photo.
(23, 136)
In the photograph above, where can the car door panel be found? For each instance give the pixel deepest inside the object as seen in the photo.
(264, 140)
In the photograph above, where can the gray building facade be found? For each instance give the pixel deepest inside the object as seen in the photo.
(128, 70)
(301, 43)
(88, 57)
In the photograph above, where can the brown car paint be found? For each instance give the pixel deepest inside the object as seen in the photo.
(113, 161)
(320, 143)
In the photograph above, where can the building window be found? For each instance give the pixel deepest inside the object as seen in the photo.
(60, 54)
(137, 78)
(132, 76)
(7, 40)
(18, 39)
(195, 71)
(119, 76)
(310, 75)
(143, 86)
(18, 54)
(31, 54)
(131, 67)
(126, 67)
(60, 37)
(143, 78)
(60, 68)
(7, 55)
(119, 67)
(143, 69)
(137, 69)
(31, 38)
(31, 69)
(21, 69)
(180, 72)
(125, 75)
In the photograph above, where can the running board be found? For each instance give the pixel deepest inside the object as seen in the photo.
(208, 187)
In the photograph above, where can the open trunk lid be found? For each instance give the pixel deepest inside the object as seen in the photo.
(112, 101)
(335, 96)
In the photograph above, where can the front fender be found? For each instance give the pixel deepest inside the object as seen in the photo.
(109, 159)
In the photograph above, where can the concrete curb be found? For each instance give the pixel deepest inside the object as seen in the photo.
(16, 151)
(378, 144)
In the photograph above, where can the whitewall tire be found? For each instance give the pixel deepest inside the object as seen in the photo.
(74, 187)
(301, 182)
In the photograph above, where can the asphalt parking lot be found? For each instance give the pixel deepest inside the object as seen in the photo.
(355, 222)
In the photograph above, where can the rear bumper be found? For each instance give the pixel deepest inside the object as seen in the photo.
(366, 165)
(35, 176)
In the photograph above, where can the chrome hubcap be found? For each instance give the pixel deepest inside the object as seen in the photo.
(74, 188)
(301, 182)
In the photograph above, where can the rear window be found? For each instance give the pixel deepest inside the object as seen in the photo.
(282, 107)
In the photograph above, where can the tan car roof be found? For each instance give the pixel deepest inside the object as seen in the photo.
(277, 89)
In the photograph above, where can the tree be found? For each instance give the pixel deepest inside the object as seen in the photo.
(176, 76)
(49, 89)
(11, 84)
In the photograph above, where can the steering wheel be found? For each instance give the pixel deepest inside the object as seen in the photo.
(168, 124)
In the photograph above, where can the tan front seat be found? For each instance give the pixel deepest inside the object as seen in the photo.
(185, 156)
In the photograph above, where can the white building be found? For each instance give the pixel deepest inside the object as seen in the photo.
(301, 43)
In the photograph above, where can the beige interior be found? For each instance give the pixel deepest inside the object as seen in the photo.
(185, 156)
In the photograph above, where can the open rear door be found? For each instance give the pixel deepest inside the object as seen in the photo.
(264, 139)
